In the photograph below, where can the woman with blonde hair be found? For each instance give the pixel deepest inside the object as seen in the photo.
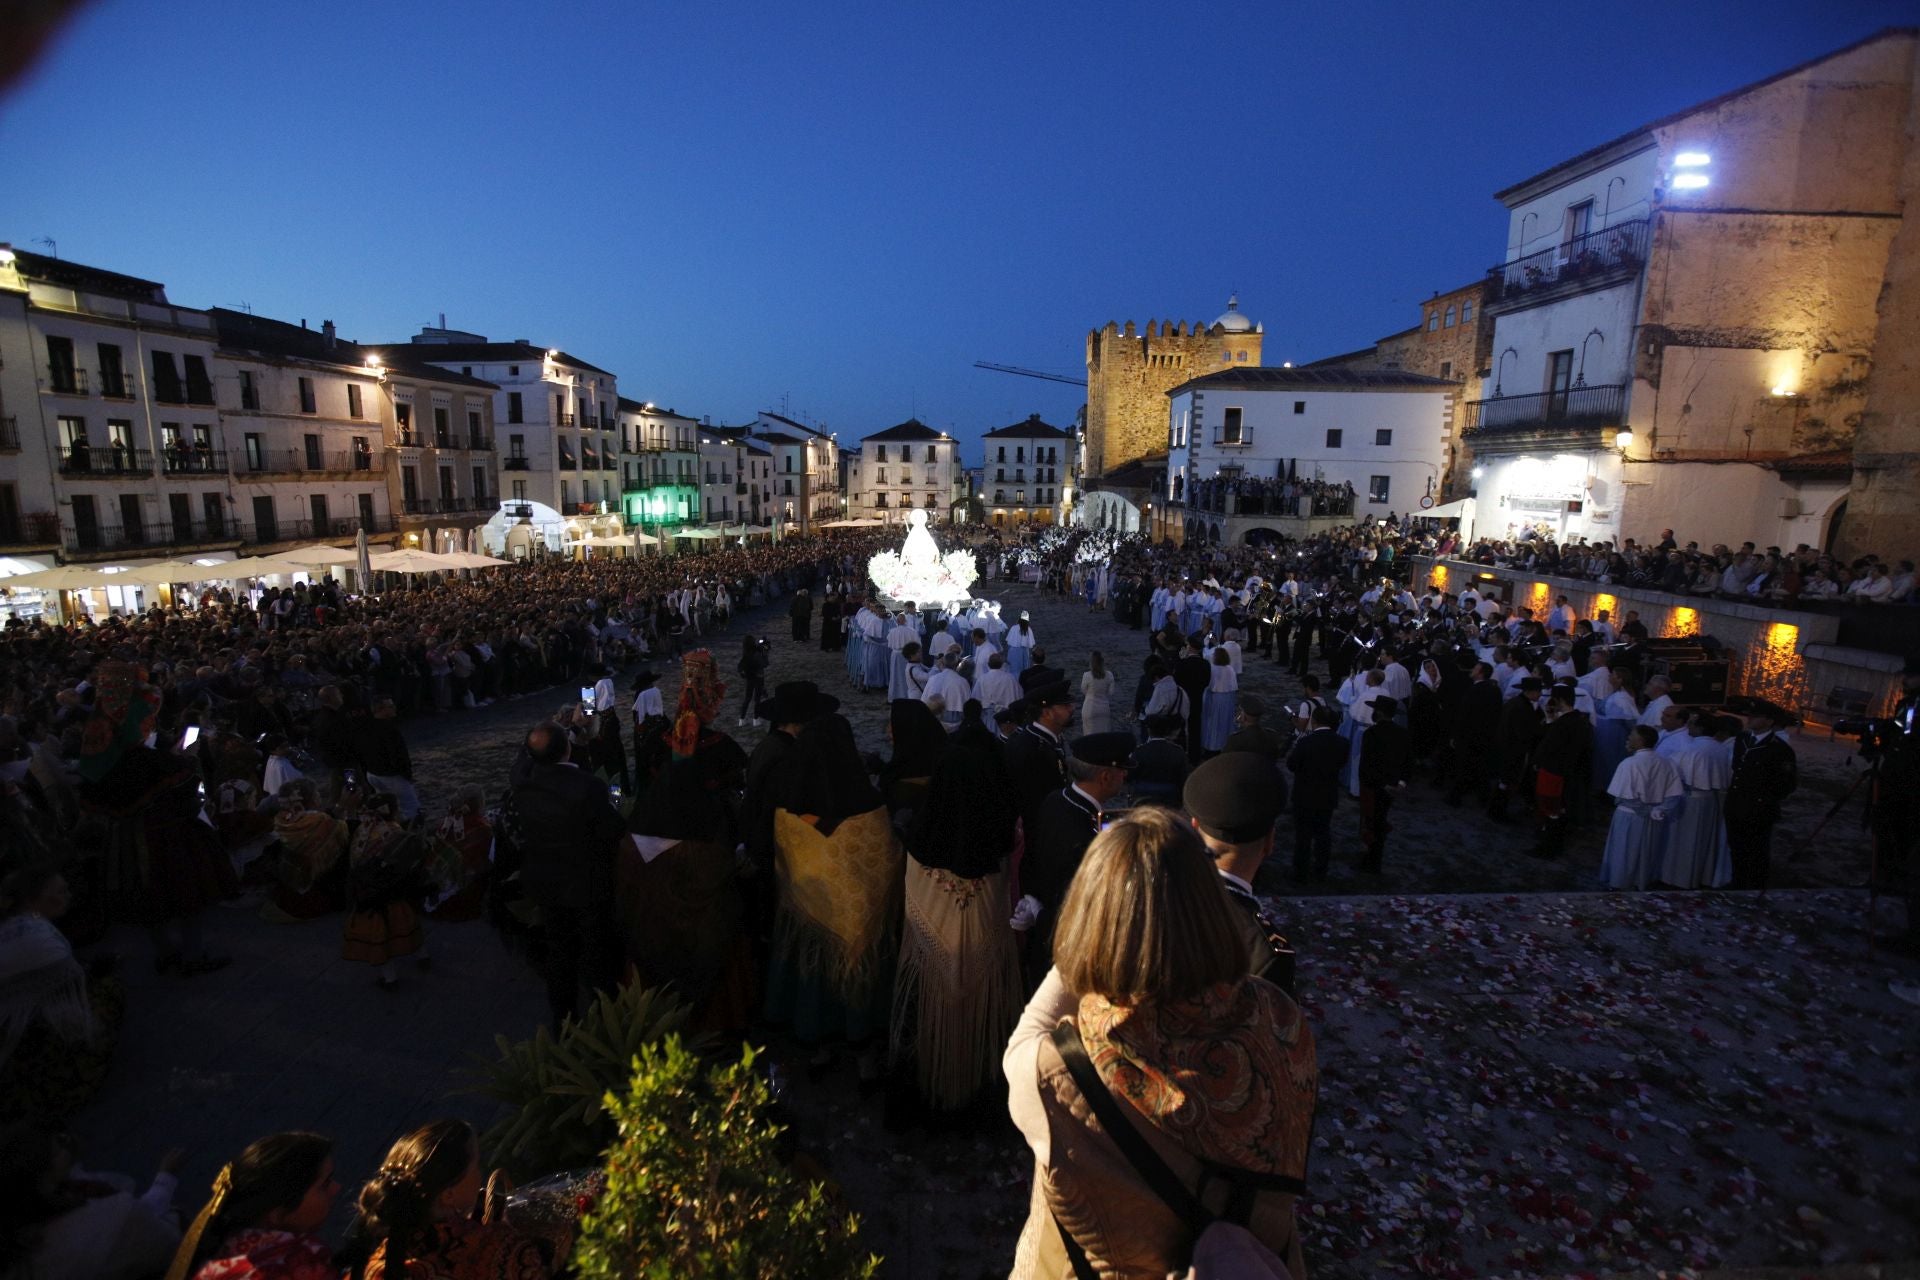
(1199, 1077)
(417, 1215)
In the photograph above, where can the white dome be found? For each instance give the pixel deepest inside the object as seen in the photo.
(1232, 321)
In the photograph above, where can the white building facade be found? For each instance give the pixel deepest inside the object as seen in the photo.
(1684, 322)
(806, 471)
(906, 467)
(1026, 472)
(1293, 449)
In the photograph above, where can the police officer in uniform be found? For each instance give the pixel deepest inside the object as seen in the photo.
(1036, 754)
(1232, 803)
(1765, 772)
(1064, 823)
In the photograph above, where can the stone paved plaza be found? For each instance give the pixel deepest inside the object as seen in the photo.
(1519, 1076)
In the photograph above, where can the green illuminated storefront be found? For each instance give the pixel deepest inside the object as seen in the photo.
(661, 506)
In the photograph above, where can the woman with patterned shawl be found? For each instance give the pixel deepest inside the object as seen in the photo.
(956, 991)
(384, 875)
(311, 865)
(677, 902)
(164, 865)
(919, 741)
(1151, 1002)
(838, 868)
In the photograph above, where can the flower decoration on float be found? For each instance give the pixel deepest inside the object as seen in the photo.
(918, 571)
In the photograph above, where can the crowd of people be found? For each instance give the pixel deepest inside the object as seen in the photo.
(991, 910)
(1236, 494)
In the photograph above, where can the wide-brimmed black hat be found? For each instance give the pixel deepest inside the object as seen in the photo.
(796, 702)
(1059, 693)
(644, 677)
(1773, 711)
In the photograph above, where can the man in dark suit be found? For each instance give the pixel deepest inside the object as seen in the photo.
(1039, 675)
(1765, 772)
(1036, 754)
(1191, 674)
(1303, 628)
(1519, 730)
(1319, 764)
(1159, 764)
(1231, 803)
(1386, 761)
(1475, 729)
(1562, 763)
(1064, 823)
(559, 830)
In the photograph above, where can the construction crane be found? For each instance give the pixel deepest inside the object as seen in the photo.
(1030, 373)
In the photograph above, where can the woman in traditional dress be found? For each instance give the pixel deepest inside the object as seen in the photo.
(263, 1219)
(919, 740)
(466, 830)
(57, 1028)
(838, 868)
(678, 902)
(417, 1215)
(1150, 1020)
(164, 866)
(1647, 794)
(384, 865)
(957, 987)
(310, 865)
(1218, 704)
(1425, 721)
(1096, 695)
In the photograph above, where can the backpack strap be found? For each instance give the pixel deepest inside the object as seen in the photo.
(1139, 1153)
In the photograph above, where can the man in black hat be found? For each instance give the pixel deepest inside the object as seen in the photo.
(1064, 823)
(1765, 772)
(1192, 673)
(1232, 804)
(1386, 761)
(1039, 675)
(1251, 735)
(1037, 754)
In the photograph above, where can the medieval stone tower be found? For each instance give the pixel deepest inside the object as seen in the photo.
(1129, 375)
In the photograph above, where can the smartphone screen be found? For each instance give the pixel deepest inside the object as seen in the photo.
(586, 694)
(191, 736)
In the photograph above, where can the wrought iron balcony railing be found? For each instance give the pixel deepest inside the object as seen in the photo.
(1584, 262)
(1573, 411)
(186, 460)
(105, 460)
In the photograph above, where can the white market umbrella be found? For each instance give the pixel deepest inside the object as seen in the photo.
(65, 577)
(468, 560)
(314, 556)
(410, 562)
(177, 571)
(642, 539)
(697, 533)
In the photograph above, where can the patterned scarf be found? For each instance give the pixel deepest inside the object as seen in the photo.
(124, 706)
(1230, 1075)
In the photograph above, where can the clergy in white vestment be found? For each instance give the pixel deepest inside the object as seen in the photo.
(1697, 852)
(1658, 700)
(950, 689)
(996, 687)
(906, 677)
(901, 634)
(1647, 793)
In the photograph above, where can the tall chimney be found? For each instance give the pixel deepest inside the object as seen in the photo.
(443, 319)
(326, 329)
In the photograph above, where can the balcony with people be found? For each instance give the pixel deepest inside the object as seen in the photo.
(1572, 417)
(83, 458)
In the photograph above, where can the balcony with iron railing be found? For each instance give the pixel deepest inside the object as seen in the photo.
(565, 461)
(179, 391)
(309, 462)
(516, 462)
(564, 420)
(62, 380)
(182, 460)
(480, 444)
(417, 506)
(157, 534)
(1237, 438)
(609, 461)
(409, 440)
(116, 384)
(306, 530)
(9, 435)
(105, 460)
(1592, 261)
(1577, 417)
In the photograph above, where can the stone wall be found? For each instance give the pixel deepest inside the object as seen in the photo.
(1129, 373)
(1786, 655)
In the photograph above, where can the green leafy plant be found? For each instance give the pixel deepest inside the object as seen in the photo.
(695, 1187)
(557, 1086)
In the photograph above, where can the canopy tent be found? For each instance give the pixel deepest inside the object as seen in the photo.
(412, 562)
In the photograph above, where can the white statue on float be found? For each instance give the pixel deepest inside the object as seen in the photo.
(918, 572)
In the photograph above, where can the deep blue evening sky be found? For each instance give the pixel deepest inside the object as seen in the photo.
(842, 204)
